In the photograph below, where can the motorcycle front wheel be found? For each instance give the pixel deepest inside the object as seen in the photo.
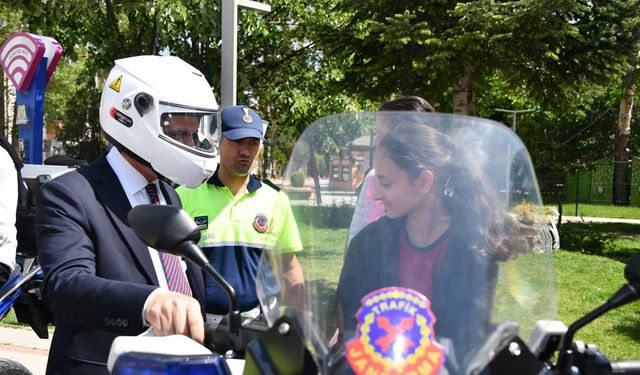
(10, 367)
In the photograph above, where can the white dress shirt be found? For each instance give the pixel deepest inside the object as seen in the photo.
(134, 185)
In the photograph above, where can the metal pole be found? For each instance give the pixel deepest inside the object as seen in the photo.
(514, 112)
(229, 69)
(577, 189)
(229, 53)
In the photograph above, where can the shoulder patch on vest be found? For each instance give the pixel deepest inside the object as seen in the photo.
(202, 222)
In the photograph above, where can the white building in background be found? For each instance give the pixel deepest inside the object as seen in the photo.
(51, 145)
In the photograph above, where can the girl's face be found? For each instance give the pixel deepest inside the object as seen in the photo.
(381, 130)
(395, 189)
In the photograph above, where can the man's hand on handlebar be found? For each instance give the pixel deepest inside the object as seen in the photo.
(171, 313)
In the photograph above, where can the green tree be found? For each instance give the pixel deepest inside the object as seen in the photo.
(446, 50)
(10, 23)
(94, 35)
(559, 57)
(282, 73)
(285, 75)
(622, 153)
(73, 98)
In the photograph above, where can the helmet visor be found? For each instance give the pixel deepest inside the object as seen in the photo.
(190, 129)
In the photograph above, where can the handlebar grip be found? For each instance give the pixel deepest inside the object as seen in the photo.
(219, 339)
(625, 367)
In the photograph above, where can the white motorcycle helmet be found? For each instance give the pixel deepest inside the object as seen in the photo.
(162, 111)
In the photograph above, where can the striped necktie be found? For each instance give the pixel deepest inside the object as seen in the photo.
(176, 278)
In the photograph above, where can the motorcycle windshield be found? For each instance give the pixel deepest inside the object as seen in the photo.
(425, 239)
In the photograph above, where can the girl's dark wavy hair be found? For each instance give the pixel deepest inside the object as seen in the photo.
(466, 190)
(410, 103)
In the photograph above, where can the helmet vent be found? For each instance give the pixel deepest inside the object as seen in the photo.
(143, 102)
(121, 117)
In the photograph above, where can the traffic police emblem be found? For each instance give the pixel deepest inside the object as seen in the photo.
(261, 223)
(395, 335)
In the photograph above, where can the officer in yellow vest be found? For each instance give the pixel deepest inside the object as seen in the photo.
(240, 216)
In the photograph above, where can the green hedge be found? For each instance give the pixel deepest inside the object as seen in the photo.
(324, 216)
(297, 179)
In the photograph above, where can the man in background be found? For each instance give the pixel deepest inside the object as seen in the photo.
(240, 216)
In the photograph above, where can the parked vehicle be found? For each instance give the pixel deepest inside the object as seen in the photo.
(492, 304)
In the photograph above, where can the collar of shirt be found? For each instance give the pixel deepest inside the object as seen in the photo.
(130, 179)
(253, 185)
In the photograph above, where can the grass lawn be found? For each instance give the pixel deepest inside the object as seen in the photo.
(10, 319)
(322, 266)
(590, 273)
(587, 281)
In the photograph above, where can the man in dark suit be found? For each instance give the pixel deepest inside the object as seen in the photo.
(101, 280)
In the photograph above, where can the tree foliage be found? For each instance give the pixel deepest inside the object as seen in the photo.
(304, 60)
(10, 23)
(444, 50)
(564, 59)
(286, 74)
(282, 73)
(74, 97)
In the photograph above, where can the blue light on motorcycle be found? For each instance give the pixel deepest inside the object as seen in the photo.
(154, 364)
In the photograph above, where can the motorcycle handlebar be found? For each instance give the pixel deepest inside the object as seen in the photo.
(219, 339)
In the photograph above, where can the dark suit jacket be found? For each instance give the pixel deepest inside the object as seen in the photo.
(98, 272)
(463, 285)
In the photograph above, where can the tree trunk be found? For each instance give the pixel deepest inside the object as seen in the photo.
(112, 17)
(3, 118)
(267, 168)
(267, 152)
(464, 91)
(314, 173)
(15, 142)
(622, 157)
(153, 45)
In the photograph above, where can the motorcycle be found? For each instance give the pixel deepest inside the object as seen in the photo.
(368, 307)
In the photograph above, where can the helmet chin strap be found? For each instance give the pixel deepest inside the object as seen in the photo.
(140, 160)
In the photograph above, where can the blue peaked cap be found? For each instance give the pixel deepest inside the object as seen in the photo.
(240, 121)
